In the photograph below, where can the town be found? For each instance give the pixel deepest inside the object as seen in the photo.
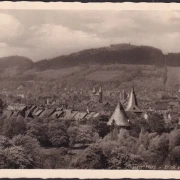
(89, 89)
(51, 107)
(122, 114)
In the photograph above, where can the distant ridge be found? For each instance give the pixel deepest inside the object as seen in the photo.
(113, 54)
(15, 61)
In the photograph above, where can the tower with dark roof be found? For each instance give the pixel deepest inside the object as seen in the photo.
(123, 97)
(132, 105)
(97, 96)
(100, 95)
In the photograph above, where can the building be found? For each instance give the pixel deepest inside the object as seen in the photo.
(123, 97)
(119, 117)
(97, 96)
(132, 104)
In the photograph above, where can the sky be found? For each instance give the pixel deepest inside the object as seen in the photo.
(44, 34)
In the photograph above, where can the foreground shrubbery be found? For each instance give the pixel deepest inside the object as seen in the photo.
(47, 143)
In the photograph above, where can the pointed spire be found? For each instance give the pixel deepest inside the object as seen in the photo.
(94, 90)
(179, 90)
(169, 116)
(123, 97)
(119, 117)
(100, 89)
(100, 95)
(132, 103)
(87, 110)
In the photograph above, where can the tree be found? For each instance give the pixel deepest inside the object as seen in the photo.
(156, 123)
(72, 133)
(2, 119)
(91, 158)
(85, 134)
(144, 138)
(57, 134)
(14, 126)
(175, 157)
(38, 129)
(174, 138)
(108, 146)
(99, 126)
(53, 158)
(158, 149)
(30, 145)
(4, 142)
(1, 106)
(17, 158)
(3, 161)
(121, 159)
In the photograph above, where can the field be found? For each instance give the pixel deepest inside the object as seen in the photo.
(173, 75)
(104, 75)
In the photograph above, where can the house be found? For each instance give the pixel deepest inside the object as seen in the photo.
(56, 114)
(80, 115)
(161, 107)
(38, 112)
(90, 115)
(46, 113)
(68, 114)
(7, 113)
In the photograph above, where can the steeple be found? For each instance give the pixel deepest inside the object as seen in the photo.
(87, 110)
(119, 117)
(179, 90)
(123, 97)
(100, 95)
(94, 90)
(132, 105)
(100, 89)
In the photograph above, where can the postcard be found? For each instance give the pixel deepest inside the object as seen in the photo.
(89, 90)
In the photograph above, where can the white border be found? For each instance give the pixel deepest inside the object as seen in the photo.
(89, 6)
(94, 174)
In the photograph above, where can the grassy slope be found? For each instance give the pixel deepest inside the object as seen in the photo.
(148, 80)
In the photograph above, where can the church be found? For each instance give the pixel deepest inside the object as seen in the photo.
(97, 95)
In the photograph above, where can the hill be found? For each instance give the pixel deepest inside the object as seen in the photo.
(15, 61)
(113, 54)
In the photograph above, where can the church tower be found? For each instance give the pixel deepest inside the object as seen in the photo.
(94, 90)
(132, 105)
(123, 97)
(100, 95)
(119, 117)
(97, 96)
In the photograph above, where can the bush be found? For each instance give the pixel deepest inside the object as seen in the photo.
(121, 159)
(91, 158)
(14, 126)
(175, 157)
(3, 161)
(17, 158)
(4, 142)
(30, 145)
(57, 134)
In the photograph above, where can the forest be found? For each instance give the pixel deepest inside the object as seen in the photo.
(89, 144)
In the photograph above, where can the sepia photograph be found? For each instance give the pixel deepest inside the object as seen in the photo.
(94, 89)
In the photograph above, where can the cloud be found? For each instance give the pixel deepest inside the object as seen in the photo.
(10, 28)
(46, 34)
(3, 45)
(56, 39)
